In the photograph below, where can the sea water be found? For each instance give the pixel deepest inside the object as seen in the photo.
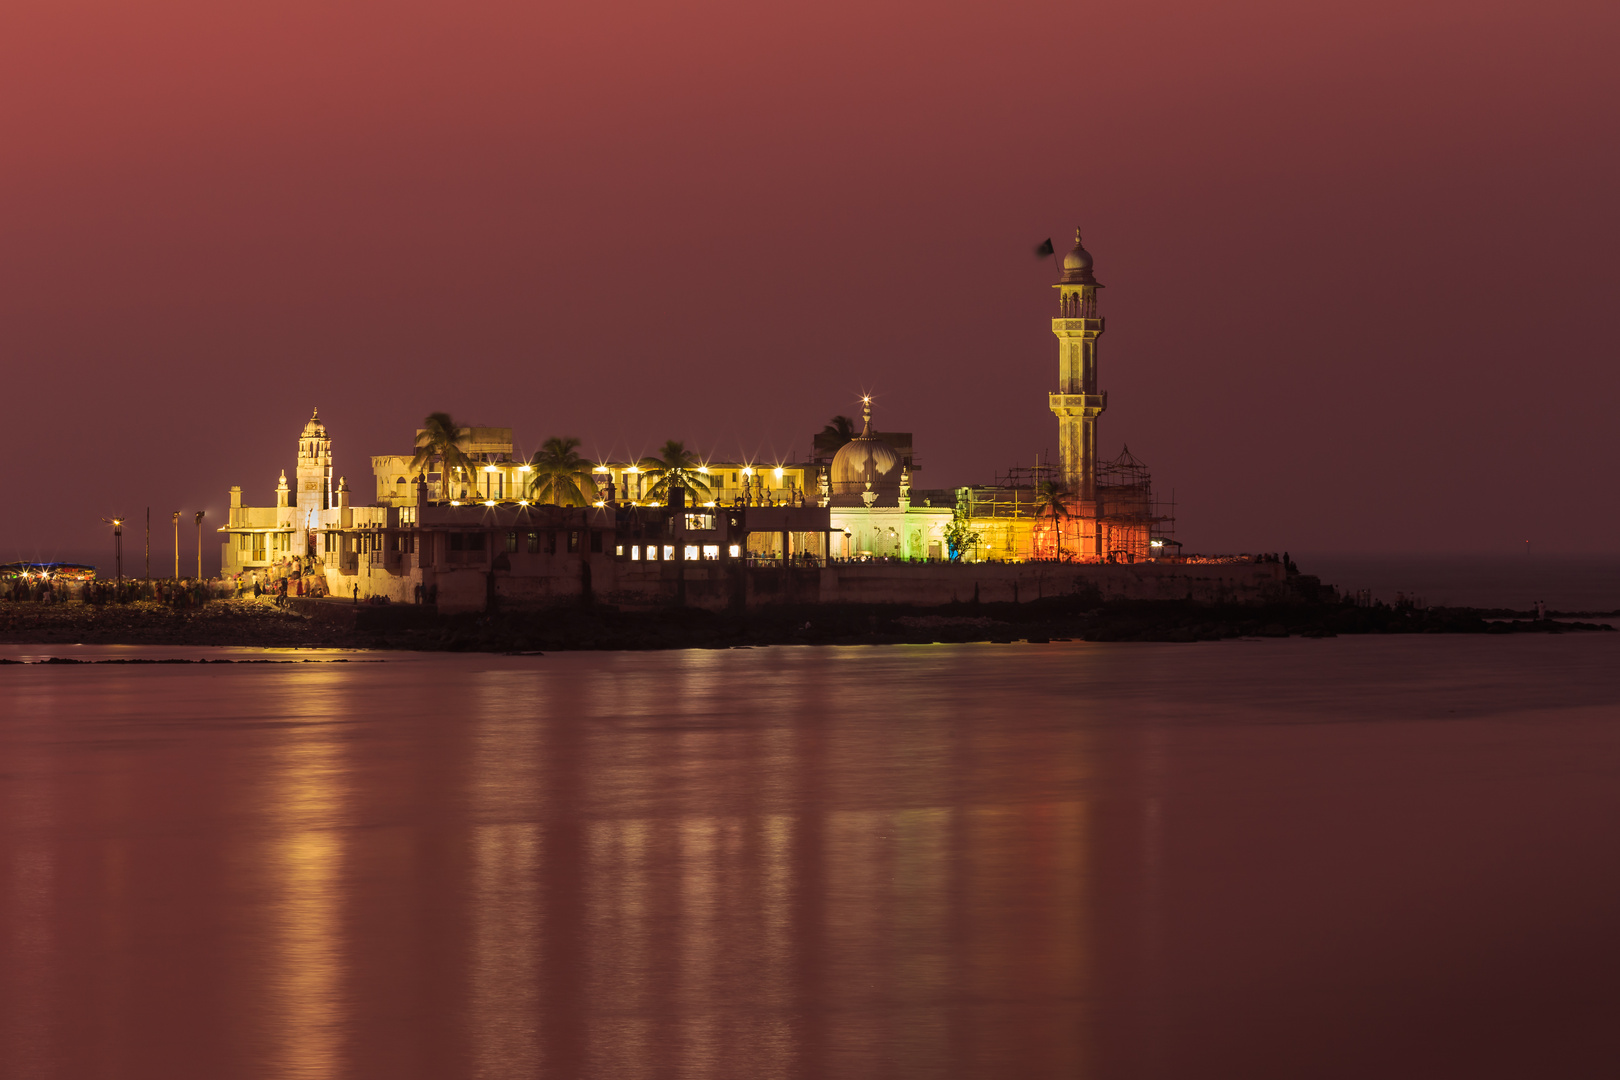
(1330, 858)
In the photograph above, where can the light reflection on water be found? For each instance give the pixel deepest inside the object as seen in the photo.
(305, 780)
(959, 861)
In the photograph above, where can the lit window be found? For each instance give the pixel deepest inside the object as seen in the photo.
(635, 553)
(711, 551)
(669, 552)
(735, 550)
(691, 553)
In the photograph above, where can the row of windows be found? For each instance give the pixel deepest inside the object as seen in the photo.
(689, 552)
(261, 547)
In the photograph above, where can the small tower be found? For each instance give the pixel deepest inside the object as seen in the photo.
(1078, 402)
(314, 470)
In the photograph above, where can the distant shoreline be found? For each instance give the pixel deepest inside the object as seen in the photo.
(339, 625)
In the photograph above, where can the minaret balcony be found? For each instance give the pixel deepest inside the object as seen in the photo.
(1077, 326)
(1078, 404)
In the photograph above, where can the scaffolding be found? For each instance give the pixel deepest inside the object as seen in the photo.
(1131, 524)
(1125, 524)
(1012, 494)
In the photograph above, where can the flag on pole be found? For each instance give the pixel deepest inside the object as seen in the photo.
(1045, 249)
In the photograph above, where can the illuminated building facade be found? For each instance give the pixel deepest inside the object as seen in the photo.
(867, 486)
(851, 502)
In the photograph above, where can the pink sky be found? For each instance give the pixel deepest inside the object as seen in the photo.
(1359, 257)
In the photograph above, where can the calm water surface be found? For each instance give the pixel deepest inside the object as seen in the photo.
(1352, 857)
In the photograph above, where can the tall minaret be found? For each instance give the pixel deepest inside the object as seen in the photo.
(314, 471)
(1078, 402)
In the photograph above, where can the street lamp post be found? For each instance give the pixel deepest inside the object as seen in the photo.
(177, 545)
(118, 546)
(199, 544)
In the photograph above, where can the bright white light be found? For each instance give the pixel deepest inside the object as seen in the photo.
(779, 472)
(599, 504)
(709, 503)
(489, 502)
(704, 469)
(523, 502)
(631, 468)
(489, 468)
(455, 502)
(525, 468)
(600, 468)
(748, 471)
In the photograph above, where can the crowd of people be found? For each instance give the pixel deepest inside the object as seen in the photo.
(291, 577)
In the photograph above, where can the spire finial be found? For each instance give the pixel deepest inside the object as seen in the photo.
(866, 414)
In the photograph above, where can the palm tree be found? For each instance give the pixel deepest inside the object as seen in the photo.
(561, 477)
(1053, 498)
(674, 466)
(437, 439)
(839, 430)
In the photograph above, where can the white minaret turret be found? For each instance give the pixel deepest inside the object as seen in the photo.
(314, 471)
(1078, 402)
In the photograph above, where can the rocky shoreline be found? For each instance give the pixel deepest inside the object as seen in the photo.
(249, 623)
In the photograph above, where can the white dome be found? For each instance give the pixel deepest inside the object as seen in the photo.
(1077, 265)
(866, 463)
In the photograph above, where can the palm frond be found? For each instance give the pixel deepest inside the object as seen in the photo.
(560, 476)
(674, 466)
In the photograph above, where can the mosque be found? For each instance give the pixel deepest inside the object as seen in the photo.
(851, 502)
